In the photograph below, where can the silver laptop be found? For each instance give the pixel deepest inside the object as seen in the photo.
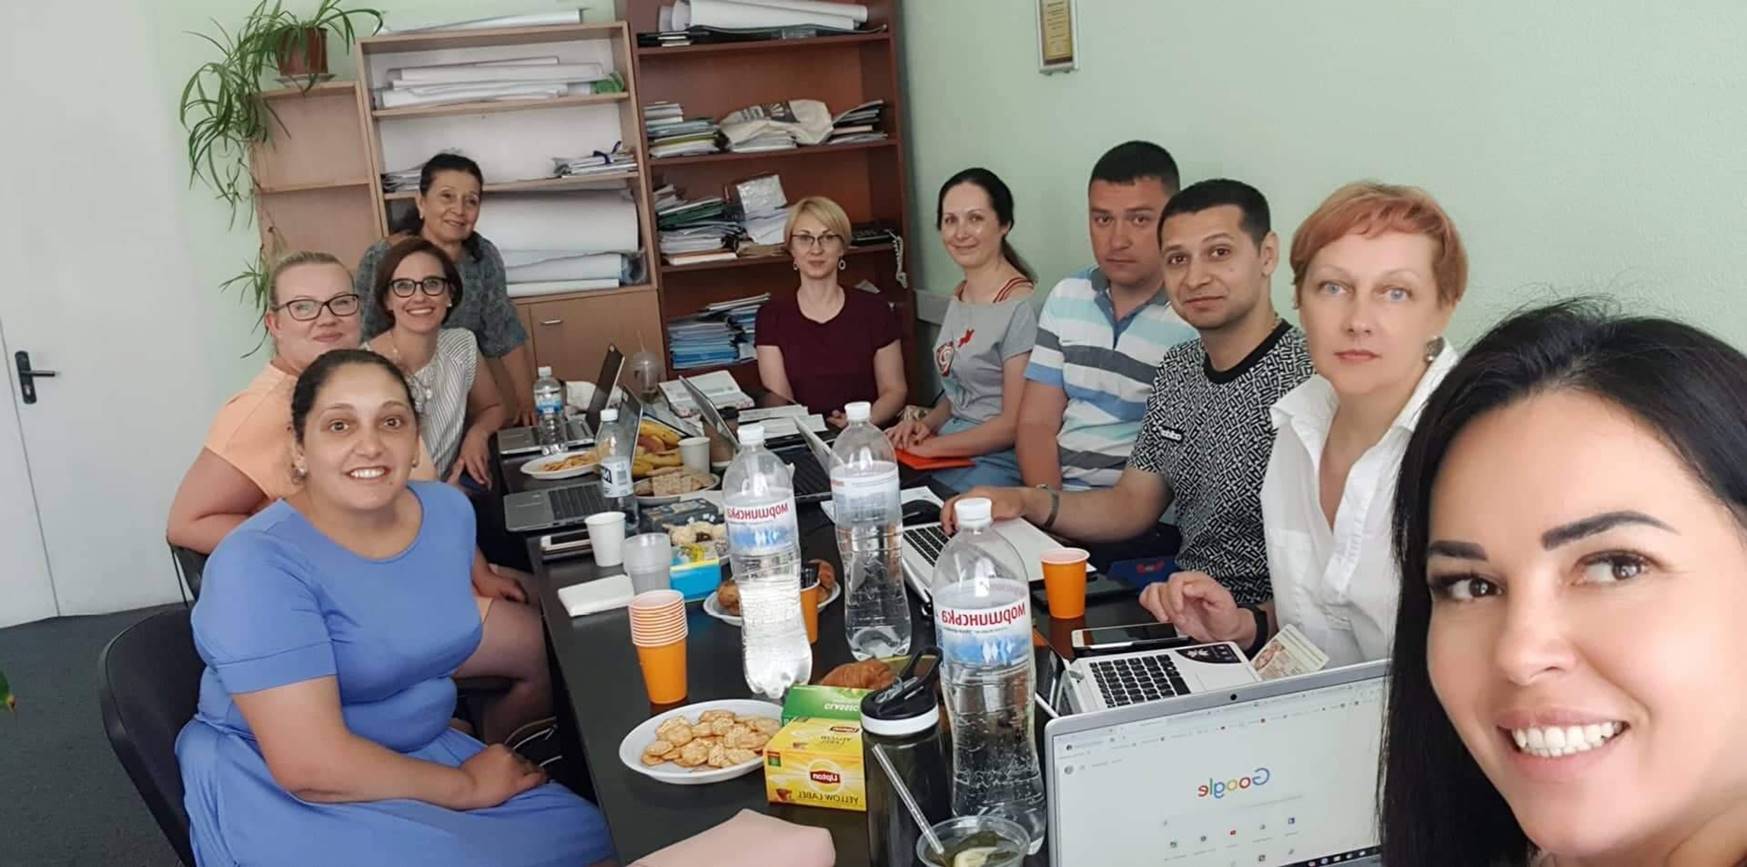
(563, 505)
(1279, 773)
(1095, 683)
(811, 479)
(578, 429)
(923, 541)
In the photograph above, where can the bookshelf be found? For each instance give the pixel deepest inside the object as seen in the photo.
(870, 180)
(313, 186)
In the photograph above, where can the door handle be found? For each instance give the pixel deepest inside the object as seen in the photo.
(27, 377)
(551, 322)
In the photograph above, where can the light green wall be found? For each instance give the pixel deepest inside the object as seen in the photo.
(1580, 146)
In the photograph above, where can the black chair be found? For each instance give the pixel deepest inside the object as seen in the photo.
(149, 685)
(190, 564)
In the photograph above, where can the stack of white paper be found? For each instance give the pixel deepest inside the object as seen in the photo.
(531, 77)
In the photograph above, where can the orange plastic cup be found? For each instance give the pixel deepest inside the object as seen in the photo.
(810, 611)
(663, 671)
(1064, 581)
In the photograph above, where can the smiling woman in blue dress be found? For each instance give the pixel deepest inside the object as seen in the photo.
(331, 623)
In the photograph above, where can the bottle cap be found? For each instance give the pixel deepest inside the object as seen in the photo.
(973, 512)
(858, 411)
(544, 371)
(610, 414)
(909, 706)
(751, 434)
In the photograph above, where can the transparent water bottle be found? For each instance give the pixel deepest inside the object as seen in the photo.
(616, 445)
(764, 552)
(982, 613)
(549, 407)
(864, 497)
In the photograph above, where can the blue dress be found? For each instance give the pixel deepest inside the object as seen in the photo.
(281, 604)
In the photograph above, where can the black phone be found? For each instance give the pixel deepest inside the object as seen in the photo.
(1125, 639)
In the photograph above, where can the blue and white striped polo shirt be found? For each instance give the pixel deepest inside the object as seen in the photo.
(1105, 366)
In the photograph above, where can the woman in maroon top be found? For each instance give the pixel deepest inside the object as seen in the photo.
(825, 347)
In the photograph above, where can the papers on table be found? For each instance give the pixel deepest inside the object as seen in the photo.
(719, 386)
(782, 421)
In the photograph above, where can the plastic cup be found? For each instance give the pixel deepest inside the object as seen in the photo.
(648, 559)
(694, 452)
(663, 671)
(657, 617)
(810, 607)
(606, 533)
(1064, 581)
(1008, 841)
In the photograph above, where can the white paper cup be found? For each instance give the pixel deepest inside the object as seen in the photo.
(694, 452)
(606, 533)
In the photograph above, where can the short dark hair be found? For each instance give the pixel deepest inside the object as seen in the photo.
(317, 374)
(1133, 160)
(1436, 805)
(391, 261)
(1000, 198)
(1218, 192)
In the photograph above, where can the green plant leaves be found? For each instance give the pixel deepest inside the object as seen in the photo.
(6, 698)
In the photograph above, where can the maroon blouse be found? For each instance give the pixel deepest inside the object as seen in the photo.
(830, 363)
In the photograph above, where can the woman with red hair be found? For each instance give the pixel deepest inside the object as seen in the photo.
(1377, 271)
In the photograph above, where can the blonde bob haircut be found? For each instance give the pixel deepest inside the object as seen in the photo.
(819, 208)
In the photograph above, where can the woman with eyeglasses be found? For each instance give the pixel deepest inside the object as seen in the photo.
(824, 346)
(418, 289)
(450, 186)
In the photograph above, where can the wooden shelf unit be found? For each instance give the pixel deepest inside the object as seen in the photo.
(869, 179)
(314, 185)
(514, 141)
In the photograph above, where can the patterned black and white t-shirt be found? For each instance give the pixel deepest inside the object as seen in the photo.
(1207, 433)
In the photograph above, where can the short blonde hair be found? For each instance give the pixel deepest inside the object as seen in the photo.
(293, 260)
(819, 208)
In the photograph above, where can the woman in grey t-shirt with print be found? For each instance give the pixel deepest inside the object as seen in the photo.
(985, 340)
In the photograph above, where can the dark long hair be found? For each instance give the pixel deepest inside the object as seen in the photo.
(317, 374)
(1436, 805)
(1000, 198)
(410, 223)
(391, 262)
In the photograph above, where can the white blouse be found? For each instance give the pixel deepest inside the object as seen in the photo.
(1340, 587)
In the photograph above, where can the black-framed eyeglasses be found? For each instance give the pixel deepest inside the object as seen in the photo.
(305, 309)
(404, 286)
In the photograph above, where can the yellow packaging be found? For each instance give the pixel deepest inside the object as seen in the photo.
(816, 763)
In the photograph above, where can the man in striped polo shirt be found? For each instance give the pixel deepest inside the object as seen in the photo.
(1102, 332)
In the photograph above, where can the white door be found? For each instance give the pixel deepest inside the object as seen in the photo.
(98, 287)
(25, 591)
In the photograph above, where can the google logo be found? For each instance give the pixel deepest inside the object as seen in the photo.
(1220, 789)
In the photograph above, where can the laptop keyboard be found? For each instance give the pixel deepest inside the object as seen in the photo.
(576, 502)
(1133, 679)
(810, 479)
(926, 540)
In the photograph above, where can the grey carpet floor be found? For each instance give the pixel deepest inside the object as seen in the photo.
(64, 798)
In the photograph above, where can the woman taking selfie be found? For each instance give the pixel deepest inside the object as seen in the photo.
(450, 186)
(985, 339)
(826, 346)
(1377, 271)
(331, 623)
(1572, 530)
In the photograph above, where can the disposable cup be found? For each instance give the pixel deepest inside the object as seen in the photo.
(663, 671)
(606, 533)
(1064, 582)
(694, 452)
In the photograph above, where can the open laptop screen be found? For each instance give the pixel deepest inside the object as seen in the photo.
(1276, 781)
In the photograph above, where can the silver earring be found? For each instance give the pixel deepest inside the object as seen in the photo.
(842, 264)
(300, 471)
(1434, 348)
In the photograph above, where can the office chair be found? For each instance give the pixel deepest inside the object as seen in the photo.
(149, 685)
(190, 564)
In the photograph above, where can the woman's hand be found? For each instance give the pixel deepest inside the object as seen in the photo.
(496, 775)
(524, 417)
(491, 584)
(925, 448)
(474, 458)
(908, 433)
(1200, 608)
(837, 419)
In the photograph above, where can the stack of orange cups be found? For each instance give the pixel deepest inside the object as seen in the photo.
(658, 629)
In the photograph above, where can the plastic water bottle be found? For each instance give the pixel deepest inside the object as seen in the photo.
(764, 552)
(615, 447)
(982, 612)
(549, 406)
(864, 497)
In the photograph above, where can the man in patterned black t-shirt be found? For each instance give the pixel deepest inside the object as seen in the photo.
(1205, 440)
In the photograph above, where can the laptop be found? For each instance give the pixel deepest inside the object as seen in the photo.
(924, 539)
(578, 429)
(563, 505)
(1280, 773)
(1096, 683)
(809, 459)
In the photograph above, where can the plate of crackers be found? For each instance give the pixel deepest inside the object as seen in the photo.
(564, 466)
(701, 743)
(667, 485)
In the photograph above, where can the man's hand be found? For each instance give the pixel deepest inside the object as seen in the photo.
(1004, 502)
(1200, 608)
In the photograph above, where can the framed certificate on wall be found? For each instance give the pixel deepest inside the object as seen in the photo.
(1058, 36)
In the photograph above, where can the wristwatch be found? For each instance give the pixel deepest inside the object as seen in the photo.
(1055, 504)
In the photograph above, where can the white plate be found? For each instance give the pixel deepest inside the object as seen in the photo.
(631, 748)
(532, 467)
(715, 481)
(714, 608)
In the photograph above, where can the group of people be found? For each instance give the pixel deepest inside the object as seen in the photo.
(1546, 533)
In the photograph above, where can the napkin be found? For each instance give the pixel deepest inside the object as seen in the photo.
(748, 840)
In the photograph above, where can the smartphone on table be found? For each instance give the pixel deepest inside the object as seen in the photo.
(1128, 638)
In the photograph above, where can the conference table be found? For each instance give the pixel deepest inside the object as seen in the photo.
(599, 695)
